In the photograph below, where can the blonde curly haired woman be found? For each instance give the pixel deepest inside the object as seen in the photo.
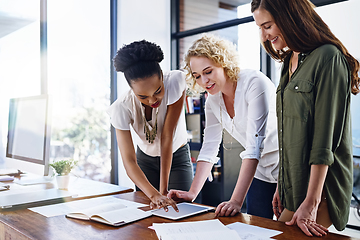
(243, 103)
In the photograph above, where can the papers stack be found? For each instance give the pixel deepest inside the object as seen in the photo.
(246, 231)
(211, 229)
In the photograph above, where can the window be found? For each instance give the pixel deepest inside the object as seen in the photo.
(19, 56)
(248, 47)
(201, 13)
(79, 82)
(194, 14)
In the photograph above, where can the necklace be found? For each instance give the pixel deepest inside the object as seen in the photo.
(223, 129)
(150, 134)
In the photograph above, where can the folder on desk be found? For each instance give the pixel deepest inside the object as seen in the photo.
(30, 198)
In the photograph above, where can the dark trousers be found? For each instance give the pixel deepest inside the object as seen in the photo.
(259, 198)
(181, 173)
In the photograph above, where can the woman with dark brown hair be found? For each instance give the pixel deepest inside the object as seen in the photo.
(313, 108)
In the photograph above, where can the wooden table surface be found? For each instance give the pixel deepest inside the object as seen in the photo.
(24, 224)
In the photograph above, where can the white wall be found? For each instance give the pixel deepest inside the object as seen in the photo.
(138, 20)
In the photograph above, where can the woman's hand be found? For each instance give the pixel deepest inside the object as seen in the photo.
(229, 208)
(276, 203)
(181, 196)
(305, 218)
(305, 215)
(160, 201)
(164, 192)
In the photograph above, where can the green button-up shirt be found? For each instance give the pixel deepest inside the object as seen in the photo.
(313, 111)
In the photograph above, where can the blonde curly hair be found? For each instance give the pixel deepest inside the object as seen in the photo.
(222, 52)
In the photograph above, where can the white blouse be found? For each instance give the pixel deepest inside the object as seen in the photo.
(254, 125)
(127, 111)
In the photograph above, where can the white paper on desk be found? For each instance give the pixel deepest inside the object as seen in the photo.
(207, 229)
(67, 207)
(247, 231)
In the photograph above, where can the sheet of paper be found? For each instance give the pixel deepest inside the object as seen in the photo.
(247, 231)
(189, 227)
(67, 207)
(213, 235)
(208, 229)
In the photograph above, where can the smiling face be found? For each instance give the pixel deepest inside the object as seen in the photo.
(207, 74)
(269, 31)
(150, 91)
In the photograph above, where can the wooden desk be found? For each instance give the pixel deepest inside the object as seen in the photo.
(24, 224)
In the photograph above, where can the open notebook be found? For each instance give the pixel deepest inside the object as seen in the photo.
(117, 214)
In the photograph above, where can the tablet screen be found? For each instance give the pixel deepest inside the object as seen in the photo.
(185, 210)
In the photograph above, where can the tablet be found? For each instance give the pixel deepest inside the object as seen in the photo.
(185, 210)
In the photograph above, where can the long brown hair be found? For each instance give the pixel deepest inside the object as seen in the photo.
(303, 30)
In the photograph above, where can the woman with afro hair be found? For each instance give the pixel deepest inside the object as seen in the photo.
(153, 108)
